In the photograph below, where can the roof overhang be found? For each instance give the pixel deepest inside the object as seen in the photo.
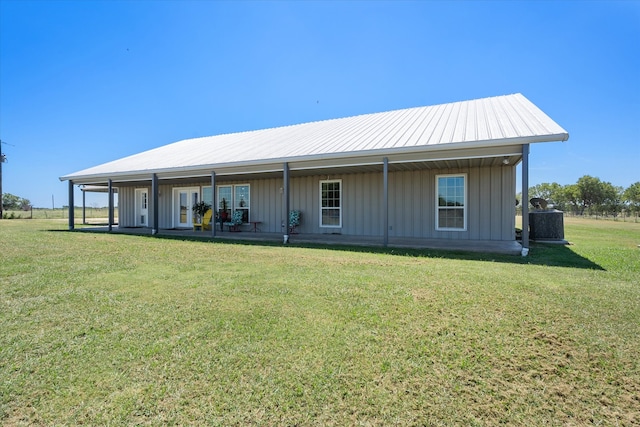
(454, 155)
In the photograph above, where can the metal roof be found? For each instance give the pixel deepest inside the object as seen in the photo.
(487, 122)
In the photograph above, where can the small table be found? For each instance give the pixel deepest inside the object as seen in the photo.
(254, 224)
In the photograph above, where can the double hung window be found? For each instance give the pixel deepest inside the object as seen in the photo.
(241, 200)
(451, 203)
(331, 203)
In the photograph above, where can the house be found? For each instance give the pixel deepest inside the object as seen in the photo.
(437, 172)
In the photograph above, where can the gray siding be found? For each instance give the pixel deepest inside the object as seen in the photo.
(412, 210)
(126, 206)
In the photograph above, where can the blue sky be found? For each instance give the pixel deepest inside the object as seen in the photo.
(86, 82)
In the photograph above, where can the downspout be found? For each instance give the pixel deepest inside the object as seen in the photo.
(286, 202)
(155, 192)
(525, 199)
(71, 207)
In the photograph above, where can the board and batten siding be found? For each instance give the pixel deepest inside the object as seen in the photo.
(412, 203)
(127, 205)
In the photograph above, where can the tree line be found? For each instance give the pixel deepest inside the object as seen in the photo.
(590, 196)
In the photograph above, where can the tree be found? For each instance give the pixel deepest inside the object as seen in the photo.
(590, 193)
(11, 202)
(631, 196)
(572, 197)
(611, 199)
(553, 193)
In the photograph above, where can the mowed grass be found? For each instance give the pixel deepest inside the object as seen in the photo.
(101, 329)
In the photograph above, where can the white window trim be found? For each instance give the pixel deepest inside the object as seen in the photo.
(232, 202)
(341, 203)
(464, 208)
(248, 202)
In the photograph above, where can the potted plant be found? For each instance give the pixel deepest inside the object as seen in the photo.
(294, 221)
(236, 220)
(199, 209)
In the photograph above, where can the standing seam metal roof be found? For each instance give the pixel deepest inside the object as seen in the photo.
(487, 121)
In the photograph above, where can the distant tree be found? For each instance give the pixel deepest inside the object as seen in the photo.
(572, 197)
(12, 202)
(590, 193)
(631, 196)
(25, 204)
(553, 193)
(612, 199)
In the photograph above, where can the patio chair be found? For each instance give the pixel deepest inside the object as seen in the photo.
(206, 222)
(236, 221)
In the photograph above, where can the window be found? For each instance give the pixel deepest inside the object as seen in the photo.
(331, 203)
(230, 198)
(241, 200)
(451, 205)
(207, 195)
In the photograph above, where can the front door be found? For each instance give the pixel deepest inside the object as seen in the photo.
(183, 201)
(142, 207)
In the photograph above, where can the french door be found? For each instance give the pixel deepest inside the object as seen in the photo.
(183, 201)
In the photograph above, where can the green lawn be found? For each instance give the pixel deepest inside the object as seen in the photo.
(103, 329)
(91, 214)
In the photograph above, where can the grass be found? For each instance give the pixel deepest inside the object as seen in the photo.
(91, 214)
(104, 329)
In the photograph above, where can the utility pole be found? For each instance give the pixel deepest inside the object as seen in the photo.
(3, 159)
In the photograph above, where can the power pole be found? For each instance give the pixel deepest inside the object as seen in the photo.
(3, 159)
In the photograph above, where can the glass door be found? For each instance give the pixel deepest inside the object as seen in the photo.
(184, 199)
(142, 207)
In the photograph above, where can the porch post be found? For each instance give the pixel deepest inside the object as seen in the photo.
(110, 193)
(71, 212)
(84, 206)
(286, 202)
(385, 200)
(214, 204)
(525, 199)
(155, 200)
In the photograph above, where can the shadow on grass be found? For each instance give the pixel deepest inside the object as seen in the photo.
(541, 254)
(553, 255)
